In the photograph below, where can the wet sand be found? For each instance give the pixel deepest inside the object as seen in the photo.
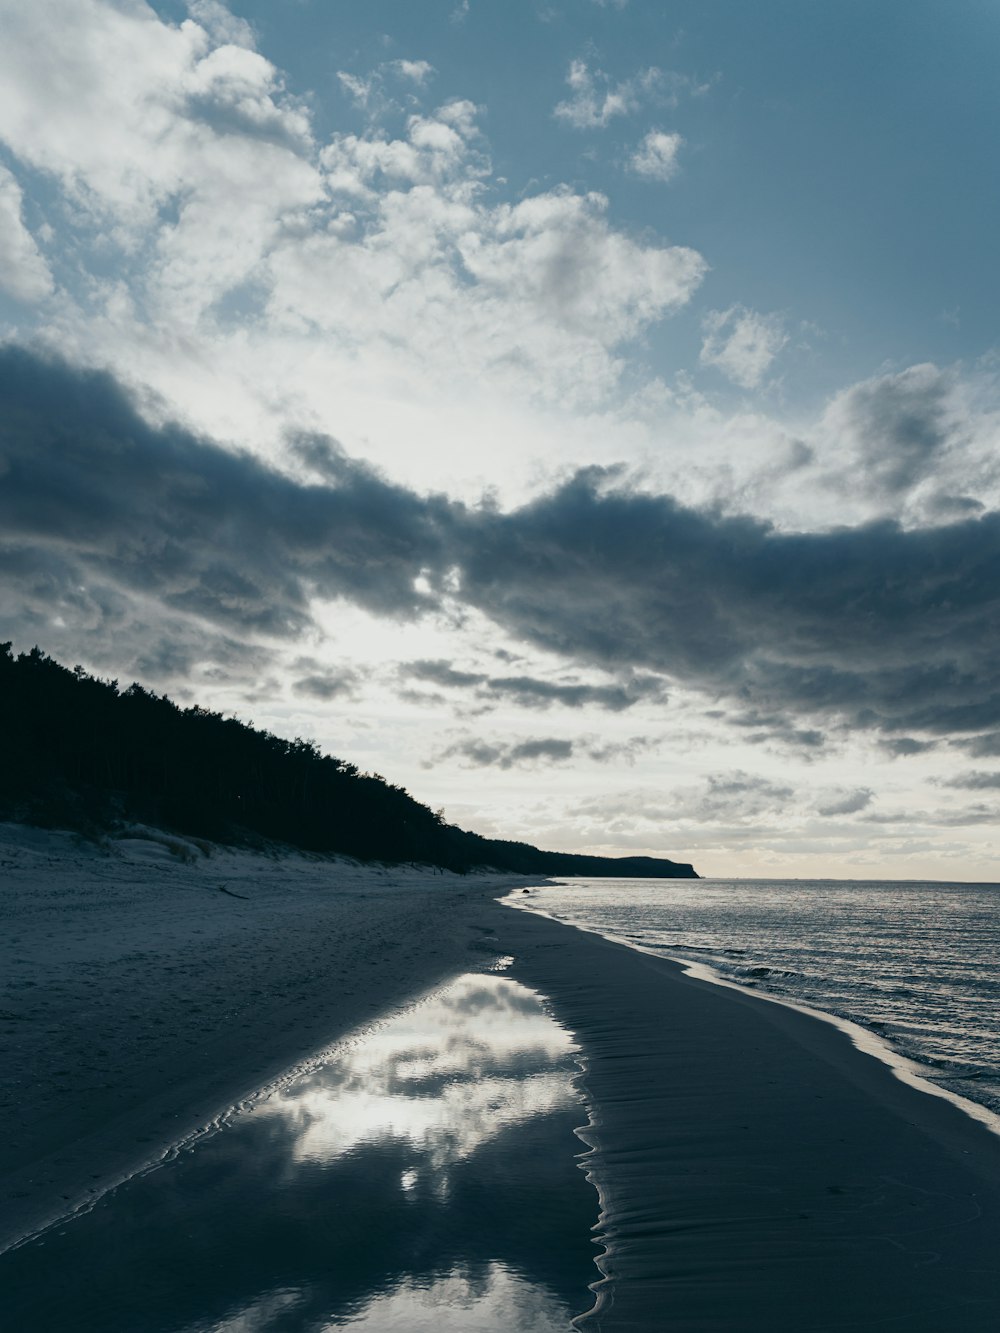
(756, 1170)
(145, 988)
(421, 1180)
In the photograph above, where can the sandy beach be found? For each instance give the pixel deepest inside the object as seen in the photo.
(147, 987)
(754, 1169)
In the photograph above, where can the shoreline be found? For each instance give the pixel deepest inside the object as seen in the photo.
(756, 1170)
(865, 1040)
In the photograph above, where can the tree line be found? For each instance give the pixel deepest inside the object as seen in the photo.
(80, 752)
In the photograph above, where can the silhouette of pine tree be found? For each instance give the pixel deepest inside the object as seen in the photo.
(79, 752)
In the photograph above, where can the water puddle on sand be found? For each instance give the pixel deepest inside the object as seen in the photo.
(421, 1179)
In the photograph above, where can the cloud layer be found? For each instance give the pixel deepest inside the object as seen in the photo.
(536, 751)
(534, 692)
(195, 196)
(103, 507)
(120, 522)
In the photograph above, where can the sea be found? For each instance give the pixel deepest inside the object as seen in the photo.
(915, 963)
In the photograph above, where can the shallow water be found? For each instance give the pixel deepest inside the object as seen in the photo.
(916, 963)
(422, 1178)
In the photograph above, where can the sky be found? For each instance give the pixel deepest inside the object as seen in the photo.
(583, 413)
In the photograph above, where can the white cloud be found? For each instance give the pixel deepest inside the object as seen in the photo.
(419, 71)
(656, 156)
(369, 92)
(220, 23)
(570, 267)
(742, 343)
(129, 113)
(533, 296)
(24, 274)
(595, 100)
(917, 446)
(359, 90)
(438, 149)
(379, 286)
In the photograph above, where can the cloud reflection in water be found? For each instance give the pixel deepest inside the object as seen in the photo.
(445, 1077)
(421, 1179)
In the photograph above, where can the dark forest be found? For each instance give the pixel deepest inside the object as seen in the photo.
(80, 753)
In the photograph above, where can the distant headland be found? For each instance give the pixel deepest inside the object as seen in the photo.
(81, 753)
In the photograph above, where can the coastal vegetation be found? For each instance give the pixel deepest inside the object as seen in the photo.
(81, 752)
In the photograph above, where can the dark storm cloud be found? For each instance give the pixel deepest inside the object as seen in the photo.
(776, 727)
(440, 672)
(533, 692)
(107, 520)
(898, 747)
(325, 686)
(92, 495)
(983, 747)
(978, 780)
(312, 679)
(900, 423)
(422, 698)
(875, 626)
(543, 750)
(971, 815)
(845, 803)
(483, 754)
(48, 599)
(181, 650)
(953, 506)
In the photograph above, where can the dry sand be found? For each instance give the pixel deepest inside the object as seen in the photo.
(757, 1171)
(139, 1001)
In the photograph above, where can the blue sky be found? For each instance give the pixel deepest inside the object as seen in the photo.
(840, 167)
(583, 413)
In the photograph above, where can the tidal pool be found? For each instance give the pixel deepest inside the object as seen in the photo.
(421, 1178)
